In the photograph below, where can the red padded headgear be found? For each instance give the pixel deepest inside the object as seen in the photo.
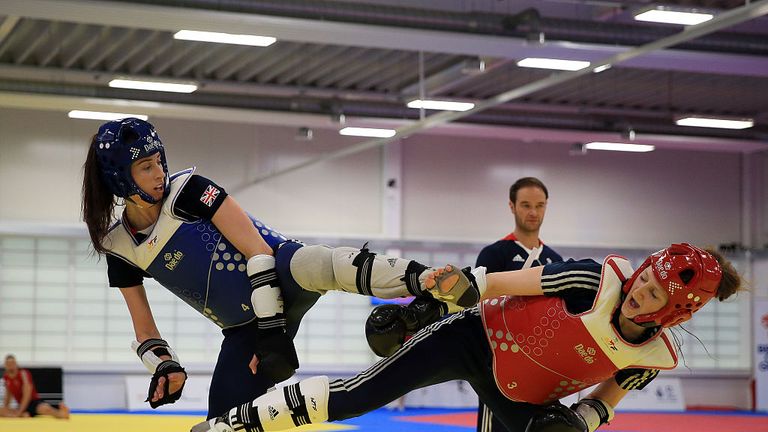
(684, 298)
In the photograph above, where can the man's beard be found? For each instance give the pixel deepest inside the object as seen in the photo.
(529, 227)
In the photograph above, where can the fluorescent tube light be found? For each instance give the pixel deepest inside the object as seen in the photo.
(226, 38)
(715, 122)
(442, 105)
(367, 132)
(99, 115)
(548, 63)
(666, 16)
(597, 145)
(602, 68)
(175, 87)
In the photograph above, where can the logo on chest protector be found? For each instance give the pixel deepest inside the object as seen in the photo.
(587, 354)
(272, 412)
(172, 259)
(611, 343)
(313, 401)
(392, 262)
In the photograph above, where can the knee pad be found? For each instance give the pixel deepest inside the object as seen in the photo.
(312, 268)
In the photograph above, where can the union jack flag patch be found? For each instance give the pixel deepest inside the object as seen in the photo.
(209, 196)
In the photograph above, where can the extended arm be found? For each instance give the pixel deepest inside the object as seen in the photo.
(525, 282)
(238, 228)
(168, 376)
(141, 314)
(276, 354)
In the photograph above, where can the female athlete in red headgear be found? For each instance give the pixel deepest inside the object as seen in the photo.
(538, 335)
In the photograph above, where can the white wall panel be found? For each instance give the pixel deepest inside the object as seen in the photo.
(460, 191)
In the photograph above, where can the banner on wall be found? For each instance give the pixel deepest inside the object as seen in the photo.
(760, 327)
(661, 394)
(193, 398)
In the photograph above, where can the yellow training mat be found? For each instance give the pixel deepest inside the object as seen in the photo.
(126, 423)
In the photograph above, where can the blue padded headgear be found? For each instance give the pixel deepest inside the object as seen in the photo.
(121, 142)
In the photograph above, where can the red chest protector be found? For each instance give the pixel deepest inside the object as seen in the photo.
(542, 353)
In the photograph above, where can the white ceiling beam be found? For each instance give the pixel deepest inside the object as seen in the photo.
(470, 131)
(7, 26)
(386, 37)
(65, 76)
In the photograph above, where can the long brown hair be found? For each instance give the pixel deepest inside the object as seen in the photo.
(98, 202)
(731, 282)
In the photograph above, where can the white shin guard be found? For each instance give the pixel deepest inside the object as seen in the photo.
(285, 408)
(321, 269)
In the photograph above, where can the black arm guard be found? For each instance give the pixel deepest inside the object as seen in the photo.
(163, 370)
(389, 326)
(557, 418)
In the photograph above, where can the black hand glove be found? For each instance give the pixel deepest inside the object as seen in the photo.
(276, 354)
(163, 370)
(557, 418)
(389, 326)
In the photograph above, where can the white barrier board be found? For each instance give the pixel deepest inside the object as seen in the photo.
(193, 398)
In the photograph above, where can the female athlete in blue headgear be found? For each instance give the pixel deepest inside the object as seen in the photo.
(184, 231)
(539, 334)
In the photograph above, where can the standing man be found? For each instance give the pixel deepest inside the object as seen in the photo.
(19, 384)
(520, 249)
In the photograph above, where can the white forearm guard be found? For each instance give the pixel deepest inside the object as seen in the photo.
(266, 298)
(150, 351)
(594, 411)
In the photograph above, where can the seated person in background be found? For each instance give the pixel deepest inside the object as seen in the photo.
(538, 335)
(19, 384)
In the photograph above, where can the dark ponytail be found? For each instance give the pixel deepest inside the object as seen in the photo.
(98, 202)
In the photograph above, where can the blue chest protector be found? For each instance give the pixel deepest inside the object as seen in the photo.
(193, 260)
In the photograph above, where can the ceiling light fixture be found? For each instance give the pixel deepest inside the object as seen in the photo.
(602, 68)
(225, 38)
(367, 132)
(102, 115)
(549, 63)
(175, 87)
(612, 146)
(443, 105)
(715, 122)
(665, 15)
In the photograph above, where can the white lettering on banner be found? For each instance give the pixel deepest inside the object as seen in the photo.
(760, 327)
(661, 394)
